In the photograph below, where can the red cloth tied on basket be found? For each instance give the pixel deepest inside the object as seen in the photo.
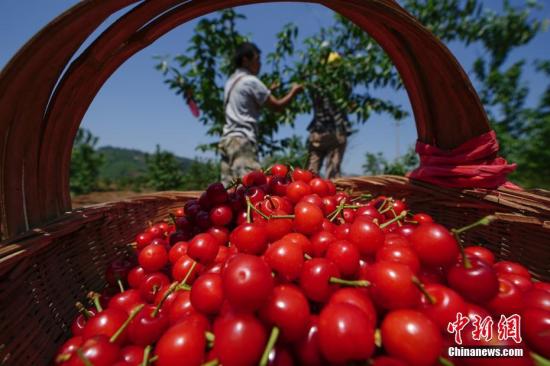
(474, 164)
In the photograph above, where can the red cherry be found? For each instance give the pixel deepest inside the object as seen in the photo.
(308, 218)
(536, 298)
(207, 294)
(478, 283)
(279, 170)
(241, 340)
(345, 333)
(221, 215)
(307, 349)
(296, 190)
(98, 351)
(147, 327)
(136, 277)
(319, 186)
(153, 258)
(181, 268)
(254, 178)
(250, 238)
(314, 199)
(143, 239)
(247, 282)
(288, 309)
(346, 257)
(299, 174)
(152, 283)
(203, 248)
(105, 323)
(182, 341)
(411, 337)
(446, 304)
(181, 307)
(536, 330)
(508, 300)
(315, 277)
(278, 227)
(301, 240)
(392, 285)
(177, 251)
(286, 259)
(126, 300)
(521, 282)
(132, 355)
(357, 297)
(400, 254)
(366, 235)
(220, 233)
(511, 267)
(482, 253)
(422, 218)
(320, 242)
(434, 245)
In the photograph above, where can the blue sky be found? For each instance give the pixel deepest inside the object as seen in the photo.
(134, 108)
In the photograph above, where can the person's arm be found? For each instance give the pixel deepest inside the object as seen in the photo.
(278, 105)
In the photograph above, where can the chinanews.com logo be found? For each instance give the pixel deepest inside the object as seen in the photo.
(482, 330)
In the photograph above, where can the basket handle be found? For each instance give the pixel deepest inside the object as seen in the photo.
(41, 107)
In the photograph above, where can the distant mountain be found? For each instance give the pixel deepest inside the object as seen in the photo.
(127, 163)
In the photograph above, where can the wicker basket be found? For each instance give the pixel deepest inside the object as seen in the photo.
(51, 256)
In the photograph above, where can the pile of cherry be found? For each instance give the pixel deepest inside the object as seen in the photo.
(282, 269)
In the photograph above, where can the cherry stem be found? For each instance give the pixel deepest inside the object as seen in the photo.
(94, 296)
(135, 311)
(251, 206)
(120, 285)
(307, 256)
(422, 289)
(282, 217)
(172, 217)
(383, 207)
(184, 281)
(171, 289)
(356, 283)
(445, 362)
(248, 216)
(210, 338)
(233, 184)
(153, 359)
(395, 215)
(483, 221)
(539, 360)
(352, 206)
(334, 214)
(83, 358)
(378, 337)
(456, 232)
(214, 362)
(62, 357)
(81, 309)
(361, 197)
(396, 218)
(270, 344)
(146, 354)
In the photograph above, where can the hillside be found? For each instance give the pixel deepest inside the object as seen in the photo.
(121, 164)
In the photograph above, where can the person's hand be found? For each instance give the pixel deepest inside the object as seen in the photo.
(296, 88)
(275, 85)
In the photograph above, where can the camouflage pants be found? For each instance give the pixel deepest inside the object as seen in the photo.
(238, 156)
(326, 145)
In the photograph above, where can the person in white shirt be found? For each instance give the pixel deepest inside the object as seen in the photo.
(244, 97)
